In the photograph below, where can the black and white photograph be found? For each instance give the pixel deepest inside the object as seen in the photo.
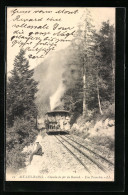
(60, 94)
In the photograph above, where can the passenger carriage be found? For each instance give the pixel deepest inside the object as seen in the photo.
(58, 120)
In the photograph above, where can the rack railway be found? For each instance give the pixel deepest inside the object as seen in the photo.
(89, 155)
(88, 158)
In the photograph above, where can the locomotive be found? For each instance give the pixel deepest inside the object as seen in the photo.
(58, 120)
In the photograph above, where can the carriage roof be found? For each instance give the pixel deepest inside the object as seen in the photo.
(58, 112)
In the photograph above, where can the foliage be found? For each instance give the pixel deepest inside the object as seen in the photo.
(109, 111)
(98, 64)
(106, 141)
(17, 137)
(21, 111)
(92, 55)
(100, 132)
(15, 159)
(22, 133)
(21, 90)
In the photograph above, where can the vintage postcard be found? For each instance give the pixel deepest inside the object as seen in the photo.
(60, 97)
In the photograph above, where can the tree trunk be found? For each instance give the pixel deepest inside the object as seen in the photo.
(113, 77)
(113, 65)
(36, 122)
(99, 102)
(84, 91)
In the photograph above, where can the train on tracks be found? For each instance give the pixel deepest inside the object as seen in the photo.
(58, 120)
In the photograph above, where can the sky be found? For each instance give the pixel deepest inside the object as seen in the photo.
(67, 20)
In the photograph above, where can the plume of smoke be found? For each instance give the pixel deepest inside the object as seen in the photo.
(49, 74)
(55, 76)
(55, 99)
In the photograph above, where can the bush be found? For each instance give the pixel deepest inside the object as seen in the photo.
(80, 130)
(15, 159)
(23, 132)
(109, 111)
(99, 131)
(106, 141)
(17, 137)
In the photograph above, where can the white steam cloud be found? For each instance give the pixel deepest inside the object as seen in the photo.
(55, 99)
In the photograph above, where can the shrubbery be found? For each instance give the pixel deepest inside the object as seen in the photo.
(21, 111)
(15, 159)
(106, 141)
(17, 137)
(100, 131)
(109, 112)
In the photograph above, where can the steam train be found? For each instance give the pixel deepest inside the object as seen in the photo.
(58, 120)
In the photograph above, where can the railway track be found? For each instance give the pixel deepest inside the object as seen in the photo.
(74, 155)
(90, 150)
(92, 161)
(103, 152)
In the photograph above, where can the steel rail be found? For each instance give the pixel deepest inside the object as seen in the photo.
(88, 157)
(73, 155)
(91, 151)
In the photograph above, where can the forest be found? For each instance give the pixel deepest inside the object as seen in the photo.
(88, 78)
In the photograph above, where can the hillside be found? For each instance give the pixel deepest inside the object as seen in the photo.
(50, 75)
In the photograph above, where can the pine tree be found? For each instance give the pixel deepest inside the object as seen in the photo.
(80, 80)
(105, 63)
(90, 79)
(21, 90)
(86, 37)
